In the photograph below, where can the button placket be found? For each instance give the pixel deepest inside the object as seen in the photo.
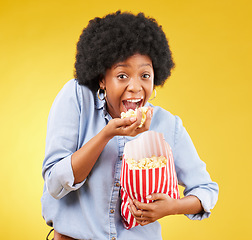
(116, 188)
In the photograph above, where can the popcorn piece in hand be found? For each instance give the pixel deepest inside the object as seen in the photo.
(147, 163)
(133, 113)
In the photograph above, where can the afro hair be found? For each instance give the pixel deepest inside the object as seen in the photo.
(114, 38)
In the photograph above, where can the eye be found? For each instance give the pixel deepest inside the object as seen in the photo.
(146, 76)
(122, 76)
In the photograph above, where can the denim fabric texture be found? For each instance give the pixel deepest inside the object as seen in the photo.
(91, 209)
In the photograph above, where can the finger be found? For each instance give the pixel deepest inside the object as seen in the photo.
(129, 126)
(142, 206)
(131, 204)
(137, 213)
(132, 207)
(124, 122)
(139, 116)
(138, 218)
(141, 216)
(150, 110)
(144, 219)
(131, 130)
(143, 223)
(155, 196)
(147, 122)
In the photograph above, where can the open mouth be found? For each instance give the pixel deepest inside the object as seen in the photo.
(132, 104)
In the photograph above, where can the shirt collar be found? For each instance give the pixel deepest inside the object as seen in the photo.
(101, 105)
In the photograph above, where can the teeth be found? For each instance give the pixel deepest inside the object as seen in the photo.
(134, 100)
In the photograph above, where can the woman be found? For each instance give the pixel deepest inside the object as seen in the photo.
(120, 59)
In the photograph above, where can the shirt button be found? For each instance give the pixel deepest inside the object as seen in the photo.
(112, 210)
(117, 184)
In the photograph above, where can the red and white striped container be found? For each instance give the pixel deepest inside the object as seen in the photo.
(139, 183)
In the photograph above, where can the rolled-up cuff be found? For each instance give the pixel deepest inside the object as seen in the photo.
(205, 202)
(60, 181)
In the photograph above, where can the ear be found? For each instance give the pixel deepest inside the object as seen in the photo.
(102, 83)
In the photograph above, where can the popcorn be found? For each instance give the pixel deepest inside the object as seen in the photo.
(148, 175)
(133, 113)
(147, 163)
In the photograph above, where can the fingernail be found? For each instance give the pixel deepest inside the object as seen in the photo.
(148, 197)
(132, 119)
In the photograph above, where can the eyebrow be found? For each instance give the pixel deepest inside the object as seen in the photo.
(120, 65)
(126, 65)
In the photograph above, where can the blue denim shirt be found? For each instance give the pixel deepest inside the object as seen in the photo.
(91, 209)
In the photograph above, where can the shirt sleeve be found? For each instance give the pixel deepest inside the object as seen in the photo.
(192, 173)
(62, 142)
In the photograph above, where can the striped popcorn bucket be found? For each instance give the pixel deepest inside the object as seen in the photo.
(139, 183)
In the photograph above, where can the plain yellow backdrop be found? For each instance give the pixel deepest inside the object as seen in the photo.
(210, 89)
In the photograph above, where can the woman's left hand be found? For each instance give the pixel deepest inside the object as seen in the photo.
(146, 213)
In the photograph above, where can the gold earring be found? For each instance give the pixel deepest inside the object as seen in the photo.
(104, 94)
(155, 92)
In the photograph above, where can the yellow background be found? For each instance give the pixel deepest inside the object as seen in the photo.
(210, 89)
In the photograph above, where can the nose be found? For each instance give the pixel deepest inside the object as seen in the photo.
(134, 85)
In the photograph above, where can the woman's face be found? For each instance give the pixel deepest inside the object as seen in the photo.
(128, 84)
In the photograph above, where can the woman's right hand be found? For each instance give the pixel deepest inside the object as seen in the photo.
(84, 159)
(128, 126)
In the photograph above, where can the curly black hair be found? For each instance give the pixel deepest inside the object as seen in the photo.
(114, 38)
